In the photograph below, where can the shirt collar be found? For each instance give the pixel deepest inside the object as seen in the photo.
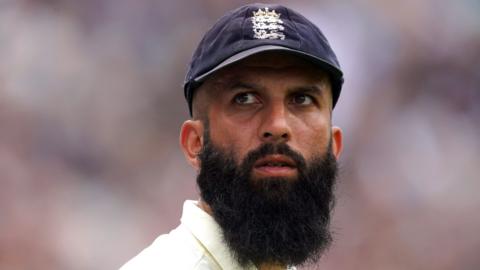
(209, 234)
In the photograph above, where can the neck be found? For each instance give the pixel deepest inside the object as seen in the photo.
(205, 207)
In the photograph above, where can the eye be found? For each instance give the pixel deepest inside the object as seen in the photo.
(302, 99)
(245, 98)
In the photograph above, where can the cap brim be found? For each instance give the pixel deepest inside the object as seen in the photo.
(335, 71)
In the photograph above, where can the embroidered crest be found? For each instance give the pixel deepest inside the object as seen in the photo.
(267, 24)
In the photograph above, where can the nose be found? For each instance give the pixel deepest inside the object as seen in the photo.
(275, 127)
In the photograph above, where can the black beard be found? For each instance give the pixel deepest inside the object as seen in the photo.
(269, 220)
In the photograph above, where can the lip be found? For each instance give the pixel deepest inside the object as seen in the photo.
(275, 166)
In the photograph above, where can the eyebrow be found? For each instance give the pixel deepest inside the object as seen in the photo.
(308, 89)
(313, 89)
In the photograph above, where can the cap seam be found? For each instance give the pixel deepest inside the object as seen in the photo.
(245, 19)
(300, 42)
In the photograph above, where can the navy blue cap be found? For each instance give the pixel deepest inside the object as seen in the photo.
(256, 28)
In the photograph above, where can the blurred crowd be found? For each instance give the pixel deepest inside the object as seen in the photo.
(91, 104)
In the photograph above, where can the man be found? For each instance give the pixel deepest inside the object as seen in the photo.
(261, 88)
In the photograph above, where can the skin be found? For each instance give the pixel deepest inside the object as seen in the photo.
(269, 97)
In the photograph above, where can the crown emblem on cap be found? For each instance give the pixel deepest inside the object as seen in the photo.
(267, 24)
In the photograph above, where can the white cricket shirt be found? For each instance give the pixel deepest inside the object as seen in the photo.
(196, 243)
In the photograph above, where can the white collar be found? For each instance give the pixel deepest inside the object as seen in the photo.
(208, 233)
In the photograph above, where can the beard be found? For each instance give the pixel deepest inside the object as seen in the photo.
(269, 220)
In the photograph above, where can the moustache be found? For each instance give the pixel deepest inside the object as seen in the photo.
(272, 149)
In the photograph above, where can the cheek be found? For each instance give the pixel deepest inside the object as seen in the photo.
(312, 137)
(232, 136)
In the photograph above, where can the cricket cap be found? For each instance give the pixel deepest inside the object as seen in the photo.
(257, 28)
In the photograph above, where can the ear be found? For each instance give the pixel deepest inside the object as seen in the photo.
(191, 141)
(337, 141)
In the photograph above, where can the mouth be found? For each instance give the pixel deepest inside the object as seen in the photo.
(275, 166)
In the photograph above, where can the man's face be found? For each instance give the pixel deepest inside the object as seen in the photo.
(267, 161)
(270, 98)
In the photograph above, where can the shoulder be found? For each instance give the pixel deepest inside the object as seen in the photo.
(178, 249)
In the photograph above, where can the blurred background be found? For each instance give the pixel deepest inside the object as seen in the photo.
(91, 105)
